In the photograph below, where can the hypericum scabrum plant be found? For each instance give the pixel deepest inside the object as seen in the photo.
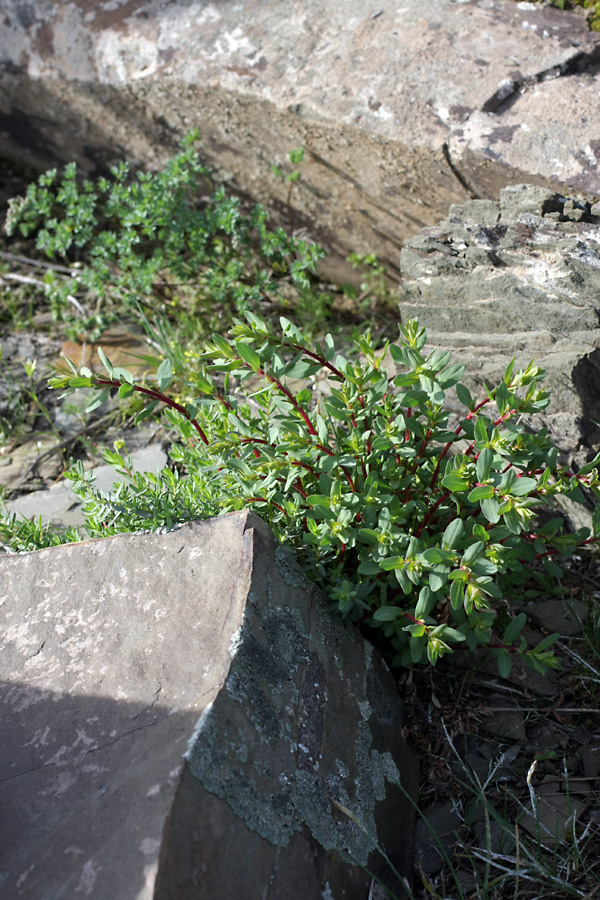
(419, 530)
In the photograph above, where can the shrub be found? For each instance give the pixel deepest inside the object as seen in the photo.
(421, 531)
(159, 240)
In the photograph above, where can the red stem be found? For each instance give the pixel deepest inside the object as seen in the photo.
(429, 515)
(156, 395)
(317, 358)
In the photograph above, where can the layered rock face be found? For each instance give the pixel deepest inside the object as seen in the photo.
(402, 109)
(182, 718)
(519, 277)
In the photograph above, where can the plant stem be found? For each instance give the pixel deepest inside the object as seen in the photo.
(162, 398)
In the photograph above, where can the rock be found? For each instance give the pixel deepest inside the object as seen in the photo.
(183, 718)
(505, 724)
(566, 618)
(554, 815)
(436, 837)
(590, 758)
(123, 347)
(402, 109)
(519, 277)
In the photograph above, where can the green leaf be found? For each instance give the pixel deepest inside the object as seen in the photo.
(81, 381)
(425, 603)
(302, 368)
(120, 374)
(249, 355)
(490, 510)
(480, 533)
(318, 500)
(481, 431)
(164, 374)
(523, 486)
(146, 412)
(369, 567)
(387, 614)
(502, 398)
(368, 536)
(392, 562)
(435, 555)
(484, 464)
(71, 365)
(450, 376)
(515, 628)
(105, 361)
(504, 663)
(98, 401)
(484, 492)
(454, 482)
(473, 552)
(322, 429)
(321, 512)
(436, 581)
(224, 346)
(547, 642)
(126, 390)
(464, 396)
(457, 594)
(512, 521)
(453, 534)
(508, 479)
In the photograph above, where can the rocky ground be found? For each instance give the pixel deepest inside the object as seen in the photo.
(509, 800)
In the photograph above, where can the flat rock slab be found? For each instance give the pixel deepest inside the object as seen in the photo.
(182, 718)
(402, 109)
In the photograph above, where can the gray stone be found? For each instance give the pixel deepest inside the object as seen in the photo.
(554, 815)
(590, 758)
(565, 617)
(505, 724)
(436, 837)
(402, 109)
(182, 717)
(521, 278)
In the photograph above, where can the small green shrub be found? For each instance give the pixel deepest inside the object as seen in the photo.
(159, 240)
(417, 530)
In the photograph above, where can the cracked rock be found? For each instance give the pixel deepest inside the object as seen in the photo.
(402, 109)
(183, 718)
(517, 277)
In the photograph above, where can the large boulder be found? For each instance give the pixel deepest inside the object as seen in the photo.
(402, 109)
(516, 277)
(183, 718)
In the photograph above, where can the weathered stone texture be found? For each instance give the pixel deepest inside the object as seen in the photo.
(119, 656)
(402, 109)
(519, 277)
